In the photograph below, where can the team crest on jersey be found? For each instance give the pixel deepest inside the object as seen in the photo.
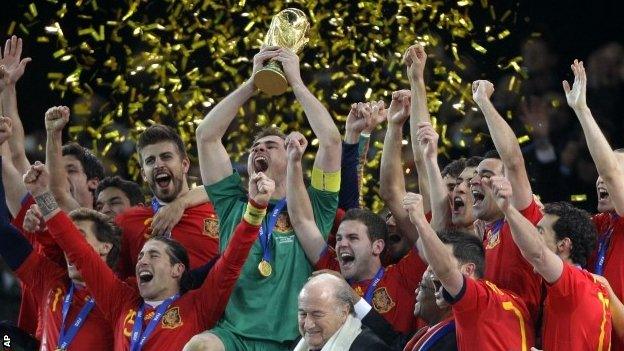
(147, 229)
(283, 223)
(172, 319)
(493, 239)
(382, 301)
(211, 227)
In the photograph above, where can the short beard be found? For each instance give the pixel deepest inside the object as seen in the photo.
(177, 188)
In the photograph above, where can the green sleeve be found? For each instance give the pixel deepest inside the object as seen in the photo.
(324, 206)
(225, 193)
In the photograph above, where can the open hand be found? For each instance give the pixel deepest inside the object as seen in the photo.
(11, 67)
(576, 96)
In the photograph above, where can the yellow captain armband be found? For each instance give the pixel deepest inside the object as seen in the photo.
(254, 215)
(328, 181)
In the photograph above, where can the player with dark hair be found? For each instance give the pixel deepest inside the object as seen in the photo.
(115, 195)
(558, 249)
(175, 210)
(162, 315)
(486, 317)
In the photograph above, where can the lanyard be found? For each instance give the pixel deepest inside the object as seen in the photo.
(495, 227)
(156, 206)
(265, 234)
(373, 285)
(66, 337)
(138, 336)
(435, 334)
(604, 245)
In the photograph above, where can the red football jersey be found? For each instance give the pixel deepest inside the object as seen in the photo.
(394, 297)
(193, 313)
(505, 266)
(48, 284)
(197, 231)
(576, 313)
(488, 318)
(613, 268)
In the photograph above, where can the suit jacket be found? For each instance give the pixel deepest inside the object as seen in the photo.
(397, 341)
(366, 341)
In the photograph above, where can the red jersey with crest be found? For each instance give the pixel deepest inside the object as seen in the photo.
(490, 319)
(394, 297)
(48, 284)
(193, 313)
(613, 268)
(506, 267)
(197, 231)
(576, 313)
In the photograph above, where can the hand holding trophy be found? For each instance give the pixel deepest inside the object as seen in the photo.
(288, 30)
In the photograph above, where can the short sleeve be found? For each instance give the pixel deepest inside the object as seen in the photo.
(324, 205)
(564, 286)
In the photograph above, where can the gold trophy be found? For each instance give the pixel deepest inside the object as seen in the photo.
(288, 30)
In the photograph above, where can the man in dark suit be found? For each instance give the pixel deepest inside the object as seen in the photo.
(327, 319)
(438, 335)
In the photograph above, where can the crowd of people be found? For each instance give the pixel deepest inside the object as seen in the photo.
(478, 259)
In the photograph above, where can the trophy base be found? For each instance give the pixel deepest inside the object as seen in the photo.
(271, 81)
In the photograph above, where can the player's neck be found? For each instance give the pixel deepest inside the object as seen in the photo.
(79, 284)
(280, 191)
(372, 270)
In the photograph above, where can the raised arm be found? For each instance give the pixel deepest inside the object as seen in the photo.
(440, 209)
(391, 178)
(329, 152)
(107, 289)
(214, 162)
(12, 70)
(524, 233)
(609, 168)
(219, 284)
(11, 177)
(169, 216)
(415, 59)
(506, 144)
(55, 120)
(437, 254)
(299, 207)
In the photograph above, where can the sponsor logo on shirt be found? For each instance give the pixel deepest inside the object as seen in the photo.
(382, 300)
(172, 319)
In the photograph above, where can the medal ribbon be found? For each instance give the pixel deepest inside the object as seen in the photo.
(66, 337)
(139, 337)
(156, 206)
(266, 233)
(604, 245)
(373, 285)
(435, 334)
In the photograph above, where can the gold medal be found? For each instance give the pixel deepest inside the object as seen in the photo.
(265, 268)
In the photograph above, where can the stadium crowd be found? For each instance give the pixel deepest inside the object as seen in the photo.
(482, 257)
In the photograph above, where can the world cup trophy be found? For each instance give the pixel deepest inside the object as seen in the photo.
(289, 29)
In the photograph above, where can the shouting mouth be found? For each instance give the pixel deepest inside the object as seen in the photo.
(261, 163)
(163, 179)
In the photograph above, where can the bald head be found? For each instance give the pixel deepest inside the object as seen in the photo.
(324, 304)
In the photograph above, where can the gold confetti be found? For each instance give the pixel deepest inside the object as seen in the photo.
(578, 197)
(137, 62)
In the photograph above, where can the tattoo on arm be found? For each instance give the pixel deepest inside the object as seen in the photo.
(47, 203)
